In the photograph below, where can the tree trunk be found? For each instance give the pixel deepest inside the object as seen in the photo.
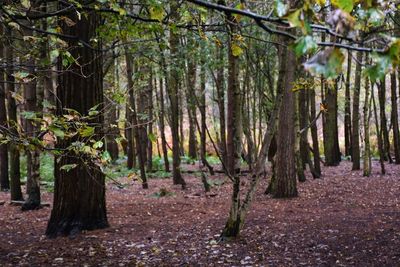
(367, 115)
(331, 142)
(347, 109)
(15, 174)
(173, 94)
(234, 136)
(150, 134)
(161, 125)
(131, 131)
(4, 179)
(220, 84)
(378, 133)
(33, 155)
(191, 108)
(384, 127)
(355, 140)
(137, 127)
(314, 135)
(285, 176)
(79, 194)
(395, 117)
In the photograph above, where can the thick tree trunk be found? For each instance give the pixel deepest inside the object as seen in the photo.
(173, 93)
(15, 174)
(79, 194)
(285, 179)
(347, 109)
(355, 140)
(332, 153)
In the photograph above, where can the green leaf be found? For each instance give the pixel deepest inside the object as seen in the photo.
(327, 62)
(87, 131)
(57, 131)
(98, 144)
(68, 167)
(346, 5)
(26, 3)
(152, 137)
(379, 69)
(304, 45)
(157, 13)
(29, 115)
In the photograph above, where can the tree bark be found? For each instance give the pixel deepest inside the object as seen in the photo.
(173, 94)
(314, 135)
(14, 160)
(4, 178)
(395, 118)
(347, 109)
(33, 155)
(79, 194)
(355, 140)
(285, 182)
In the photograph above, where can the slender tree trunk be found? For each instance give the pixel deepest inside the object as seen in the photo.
(137, 125)
(191, 108)
(234, 131)
(220, 84)
(347, 109)
(367, 115)
(384, 127)
(395, 117)
(33, 156)
(299, 142)
(378, 133)
(162, 126)
(314, 135)
(150, 133)
(15, 175)
(4, 178)
(79, 194)
(355, 140)
(130, 132)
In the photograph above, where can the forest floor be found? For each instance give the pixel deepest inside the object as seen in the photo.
(343, 219)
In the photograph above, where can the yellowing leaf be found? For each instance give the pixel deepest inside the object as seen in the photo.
(157, 13)
(346, 5)
(236, 50)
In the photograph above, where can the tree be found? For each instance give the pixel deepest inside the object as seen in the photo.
(4, 179)
(79, 193)
(173, 94)
(355, 138)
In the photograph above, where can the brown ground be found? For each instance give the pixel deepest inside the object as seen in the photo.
(343, 219)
